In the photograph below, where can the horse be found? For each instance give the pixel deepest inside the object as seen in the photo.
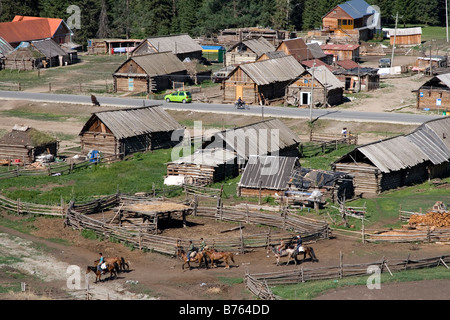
(122, 264)
(111, 268)
(214, 255)
(291, 253)
(199, 257)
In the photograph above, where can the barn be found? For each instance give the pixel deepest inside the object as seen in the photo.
(435, 93)
(400, 161)
(203, 167)
(121, 132)
(266, 175)
(328, 90)
(24, 144)
(182, 46)
(247, 51)
(149, 73)
(269, 137)
(261, 82)
(404, 37)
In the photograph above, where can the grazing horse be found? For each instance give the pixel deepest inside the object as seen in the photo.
(291, 253)
(218, 255)
(199, 257)
(111, 268)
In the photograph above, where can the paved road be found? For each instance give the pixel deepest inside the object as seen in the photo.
(331, 114)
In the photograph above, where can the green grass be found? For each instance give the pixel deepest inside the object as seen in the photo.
(315, 158)
(310, 290)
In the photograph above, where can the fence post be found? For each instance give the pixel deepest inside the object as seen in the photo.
(341, 265)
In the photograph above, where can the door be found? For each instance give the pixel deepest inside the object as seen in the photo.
(304, 98)
(239, 92)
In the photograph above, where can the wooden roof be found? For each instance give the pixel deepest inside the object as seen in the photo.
(125, 123)
(154, 64)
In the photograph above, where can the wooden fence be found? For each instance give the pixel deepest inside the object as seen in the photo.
(259, 284)
(19, 207)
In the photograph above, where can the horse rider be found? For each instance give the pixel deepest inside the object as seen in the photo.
(191, 249)
(202, 245)
(299, 247)
(100, 262)
(281, 247)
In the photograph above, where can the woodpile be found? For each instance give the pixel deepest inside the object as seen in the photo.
(431, 219)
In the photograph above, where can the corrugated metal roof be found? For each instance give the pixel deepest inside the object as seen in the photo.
(340, 47)
(268, 172)
(315, 51)
(48, 47)
(326, 78)
(445, 78)
(403, 31)
(156, 64)
(297, 48)
(273, 70)
(259, 138)
(259, 46)
(355, 8)
(175, 44)
(34, 28)
(208, 157)
(5, 47)
(125, 123)
(429, 142)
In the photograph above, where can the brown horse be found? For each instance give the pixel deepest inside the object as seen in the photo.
(199, 257)
(122, 264)
(291, 253)
(219, 255)
(111, 268)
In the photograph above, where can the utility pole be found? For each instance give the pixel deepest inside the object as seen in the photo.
(312, 90)
(446, 19)
(395, 36)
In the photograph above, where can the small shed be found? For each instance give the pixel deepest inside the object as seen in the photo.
(400, 161)
(182, 46)
(298, 49)
(121, 132)
(424, 63)
(266, 175)
(111, 46)
(404, 37)
(342, 51)
(358, 79)
(212, 52)
(247, 51)
(269, 137)
(24, 144)
(434, 94)
(332, 185)
(261, 82)
(204, 166)
(327, 89)
(149, 73)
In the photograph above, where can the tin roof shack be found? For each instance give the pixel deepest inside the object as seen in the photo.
(149, 73)
(24, 28)
(125, 131)
(261, 82)
(332, 185)
(358, 79)
(327, 89)
(269, 137)
(204, 167)
(183, 46)
(266, 175)
(400, 161)
(423, 64)
(24, 144)
(342, 51)
(36, 54)
(405, 37)
(354, 19)
(435, 93)
(247, 51)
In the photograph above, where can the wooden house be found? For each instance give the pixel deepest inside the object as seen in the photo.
(230, 36)
(24, 28)
(36, 54)
(358, 79)
(204, 167)
(269, 137)
(342, 51)
(112, 46)
(182, 46)
(326, 89)
(434, 94)
(121, 132)
(261, 82)
(24, 144)
(400, 161)
(266, 175)
(355, 19)
(149, 73)
(296, 48)
(247, 51)
(404, 37)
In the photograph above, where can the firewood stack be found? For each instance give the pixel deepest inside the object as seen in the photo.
(439, 216)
